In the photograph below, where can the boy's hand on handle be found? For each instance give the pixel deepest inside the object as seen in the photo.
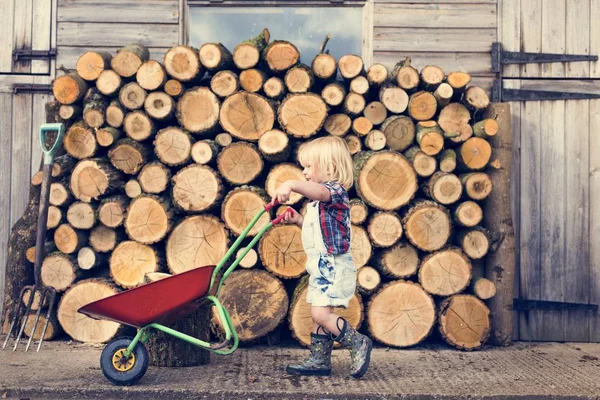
(293, 217)
(282, 194)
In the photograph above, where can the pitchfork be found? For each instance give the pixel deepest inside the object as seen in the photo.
(45, 294)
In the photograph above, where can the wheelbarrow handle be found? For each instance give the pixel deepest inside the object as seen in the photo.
(272, 204)
(50, 151)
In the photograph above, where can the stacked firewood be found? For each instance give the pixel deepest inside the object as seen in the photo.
(167, 162)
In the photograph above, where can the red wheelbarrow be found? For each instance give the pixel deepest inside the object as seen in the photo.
(124, 360)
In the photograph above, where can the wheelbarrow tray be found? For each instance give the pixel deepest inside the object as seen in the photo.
(162, 302)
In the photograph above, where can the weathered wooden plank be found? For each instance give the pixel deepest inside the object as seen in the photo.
(7, 10)
(436, 15)
(22, 32)
(437, 1)
(6, 112)
(42, 21)
(531, 34)
(509, 28)
(7, 82)
(68, 56)
(38, 117)
(434, 40)
(477, 64)
(20, 155)
(85, 34)
(367, 33)
(156, 11)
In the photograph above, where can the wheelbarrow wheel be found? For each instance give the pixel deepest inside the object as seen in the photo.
(120, 370)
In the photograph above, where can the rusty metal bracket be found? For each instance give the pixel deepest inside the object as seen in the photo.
(28, 54)
(31, 88)
(526, 305)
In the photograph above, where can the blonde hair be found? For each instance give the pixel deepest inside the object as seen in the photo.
(331, 156)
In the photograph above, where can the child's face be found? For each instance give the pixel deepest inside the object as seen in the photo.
(312, 173)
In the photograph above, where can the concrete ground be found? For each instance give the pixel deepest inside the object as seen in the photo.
(523, 371)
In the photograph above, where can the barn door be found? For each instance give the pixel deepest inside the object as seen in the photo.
(556, 184)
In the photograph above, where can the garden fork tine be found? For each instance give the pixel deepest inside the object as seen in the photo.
(51, 293)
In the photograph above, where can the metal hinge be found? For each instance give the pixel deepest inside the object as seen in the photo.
(28, 54)
(31, 88)
(500, 94)
(524, 305)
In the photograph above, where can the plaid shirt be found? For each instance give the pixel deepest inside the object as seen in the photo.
(335, 219)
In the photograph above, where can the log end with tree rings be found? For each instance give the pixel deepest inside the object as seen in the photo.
(385, 180)
(148, 219)
(103, 239)
(281, 251)
(445, 272)
(274, 145)
(394, 99)
(358, 211)
(197, 188)
(138, 126)
(427, 225)
(324, 66)
(354, 143)
(281, 173)
(360, 246)
(225, 83)
(198, 110)
(280, 55)
(240, 163)
(337, 124)
(151, 75)
(454, 119)
(464, 322)
(483, 288)
(444, 188)
(130, 261)
(183, 63)
(90, 64)
(154, 178)
(399, 132)
(474, 154)
(468, 214)
(399, 261)
(173, 146)
(422, 106)
(367, 280)
(129, 59)
(377, 74)
(59, 271)
(351, 66)
(247, 116)
(302, 115)
(384, 228)
(376, 112)
(478, 185)
(401, 314)
(474, 242)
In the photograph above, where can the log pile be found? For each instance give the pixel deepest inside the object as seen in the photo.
(169, 160)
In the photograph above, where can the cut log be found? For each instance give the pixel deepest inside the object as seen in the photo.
(385, 228)
(468, 214)
(337, 124)
(154, 177)
(112, 211)
(59, 195)
(252, 80)
(215, 57)
(444, 188)
(258, 302)
(69, 240)
(427, 225)
(361, 126)
(183, 63)
(384, 180)
(103, 239)
(274, 145)
(55, 217)
(474, 154)
(247, 54)
(300, 320)
(485, 129)
(81, 215)
(351, 66)
(197, 188)
(115, 114)
(88, 259)
(422, 106)
(302, 115)
(129, 59)
(69, 88)
(132, 96)
(406, 76)
(133, 189)
(70, 112)
(281, 251)
(429, 137)
(240, 163)
(274, 88)
(474, 242)
(198, 110)
(445, 272)
(401, 314)
(225, 83)
(151, 75)
(443, 95)
(247, 116)
(447, 160)
(223, 139)
(139, 126)
(130, 261)
(464, 322)
(174, 88)
(59, 271)
(94, 178)
(360, 246)
(324, 66)
(453, 119)
(49, 247)
(128, 156)
(53, 328)
(109, 82)
(94, 108)
(359, 85)
(79, 326)
(399, 132)
(280, 55)
(334, 94)
(90, 64)
(459, 81)
(478, 185)
(375, 140)
(483, 288)
(80, 142)
(299, 79)
(107, 136)
(354, 104)
(205, 152)
(173, 146)
(196, 241)
(367, 280)
(431, 77)
(394, 99)
(250, 260)
(423, 164)
(148, 219)
(377, 74)
(376, 112)
(358, 211)
(159, 106)
(354, 144)
(399, 261)
(155, 276)
(476, 99)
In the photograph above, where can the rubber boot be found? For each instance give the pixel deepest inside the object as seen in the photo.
(360, 347)
(319, 361)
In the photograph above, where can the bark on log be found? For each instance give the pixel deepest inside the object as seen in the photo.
(88, 259)
(447, 160)
(443, 95)
(486, 128)
(429, 137)
(70, 112)
(367, 280)
(476, 99)
(248, 53)
(215, 57)
(128, 156)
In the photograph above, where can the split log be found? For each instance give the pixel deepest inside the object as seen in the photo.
(464, 322)
(302, 115)
(249, 260)
(139, 126)
(394, 301)
(431, 77)
(280, 173)
(81, 327)
(81, 215)
(274, 88)
(151, 75)
(132, 96)
(429, 137)
(354, 144)
(447, 160)
(361, 126)
(109, 82)
(337, 124)
(334, 94)
(299, 316)
(406, 76)
(103, 239)
(377, 74)
(398, 261)
(205, 152)
(55, 217)
(215, 57)
(423, 164)
(394, 99)
(247, 54)
(399, 132)
(280, 55)
(80, 142)
(93, 178)
(474, 242)
(445, 272)
(258, 301)
(444, 188)
(88, 259)
(90, 64)
(454, 118)
(112, 211)
(299, 79)
(422, 106)
(183, 63)
(69, 88)
(107, 136)
(358, 211)
(174, 88)
(281, 252)
(384, 180)
(427, 225)
(375, 140)
(468, 214)
(159, 106)
(385, 228)
(133, 189)
(359, 85)
(483, 288)
(351, 66)
(129, 59)
(115, 114)
(60, 195)
(274, 145)
(247, 116)
(196, 241)
(443, 95)
(360, 246)
(478, 185)
(486, 128)
(367, 280)
(252, 80)
(130, 261)
(173, 146)
(154, 177)
(70, 112)
(148, 219)
(128, 156)
(476, 99)
(197, 188)
(53, 328)
(225, 83)
(59, 271)
(376, 112)
(354, 104)
(474, 154)
(240, 163)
